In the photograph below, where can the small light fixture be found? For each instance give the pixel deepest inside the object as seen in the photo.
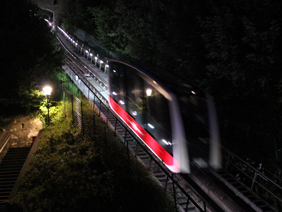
(149, 92)
(47, 90)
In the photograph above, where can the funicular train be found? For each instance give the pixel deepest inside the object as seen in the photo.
(178, 122)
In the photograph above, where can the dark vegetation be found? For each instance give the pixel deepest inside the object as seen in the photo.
(232, 49)
(69, 172)
(72, 172)
(29, 57)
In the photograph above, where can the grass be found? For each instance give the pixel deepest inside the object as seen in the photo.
(90, 172)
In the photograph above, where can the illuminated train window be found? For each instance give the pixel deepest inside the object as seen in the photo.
(141, 101)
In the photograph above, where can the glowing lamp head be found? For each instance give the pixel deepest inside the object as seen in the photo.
(47, 90)
(149, 92)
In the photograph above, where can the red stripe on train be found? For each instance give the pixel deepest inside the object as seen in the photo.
(146, 137)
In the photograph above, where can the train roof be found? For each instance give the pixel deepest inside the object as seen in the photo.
(177, 84)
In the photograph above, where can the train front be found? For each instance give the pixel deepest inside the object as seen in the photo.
(200, 126)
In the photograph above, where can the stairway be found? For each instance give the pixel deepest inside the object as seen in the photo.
(10, 168)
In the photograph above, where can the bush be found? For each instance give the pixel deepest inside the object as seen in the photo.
(71, 172)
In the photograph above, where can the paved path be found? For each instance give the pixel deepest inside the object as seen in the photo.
(22, 128)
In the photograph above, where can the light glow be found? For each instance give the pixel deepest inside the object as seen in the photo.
(121, 102)
(114, 93)
(134, 113)
(166, 142)
(151, 126)
(149, 92)
(47, 90)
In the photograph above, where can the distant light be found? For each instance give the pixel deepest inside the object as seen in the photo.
(166, 142)
(114, 93)
(134, 113)
(107, 66)
(114, 71)
(151, 126)
(86, 51)
(96, 58)
(47, 90)
(154, 82)
(149, 92)
(193, 92)
(121, 102)
(101, 61)
(91, 54)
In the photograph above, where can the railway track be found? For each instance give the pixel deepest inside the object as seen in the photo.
(185, 200)
(196, 192)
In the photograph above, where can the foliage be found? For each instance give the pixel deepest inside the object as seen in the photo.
(232, 49)
(56, 112)
(72, 172)
(31, 55)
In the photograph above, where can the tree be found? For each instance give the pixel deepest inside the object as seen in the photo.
(243, 44)
(29, 52)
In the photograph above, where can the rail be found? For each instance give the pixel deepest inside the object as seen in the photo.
(256, 180)
(253, 178)
(101, 103)
(4, 144)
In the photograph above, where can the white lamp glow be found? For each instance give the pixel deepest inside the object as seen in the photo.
(47, 90)
(149, 92)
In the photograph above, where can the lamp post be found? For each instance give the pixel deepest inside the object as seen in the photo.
(47, 91)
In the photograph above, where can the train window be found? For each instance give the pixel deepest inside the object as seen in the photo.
(157, 116)
(134, 87)
(117, 85)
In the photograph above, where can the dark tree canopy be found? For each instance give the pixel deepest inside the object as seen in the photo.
(29, 52)
(230, 48)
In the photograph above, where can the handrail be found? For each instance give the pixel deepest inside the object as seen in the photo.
(4, 144)
(251, 167)
(256, 172)
(170, 176)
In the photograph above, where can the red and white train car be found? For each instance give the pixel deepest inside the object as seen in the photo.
(177, 122)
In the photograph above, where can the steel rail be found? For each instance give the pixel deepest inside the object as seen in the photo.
(103, 104)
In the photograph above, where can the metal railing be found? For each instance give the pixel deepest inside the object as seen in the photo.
(253, 178)
(4, 144)
(102, 104)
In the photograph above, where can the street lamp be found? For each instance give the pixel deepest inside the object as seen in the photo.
(47, 91)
